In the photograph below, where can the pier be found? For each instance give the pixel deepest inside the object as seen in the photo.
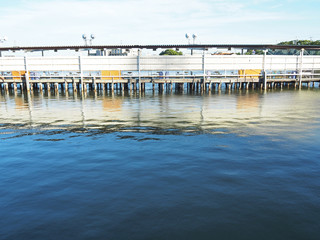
(202, 72)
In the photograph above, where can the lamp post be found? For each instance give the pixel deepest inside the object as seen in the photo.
(194, 36)
(92, 36)
(2, 40)
(188, 38)
(85, 38)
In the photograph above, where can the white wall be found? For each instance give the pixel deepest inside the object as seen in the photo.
(159, 63)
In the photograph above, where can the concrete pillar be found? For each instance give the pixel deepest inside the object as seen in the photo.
(94, 84)
(56, 87)
(15, 86)
(74, 85)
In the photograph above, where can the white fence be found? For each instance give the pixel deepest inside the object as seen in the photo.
(160, 63)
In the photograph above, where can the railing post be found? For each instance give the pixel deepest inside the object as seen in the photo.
(264, 69)
(204, 71)
(138, 65)
(81, 72)
(300, 67)
(26, 73)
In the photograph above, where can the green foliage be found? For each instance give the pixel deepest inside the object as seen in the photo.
(297, 52)
(170, 52)
(300, 42)
(256, 52)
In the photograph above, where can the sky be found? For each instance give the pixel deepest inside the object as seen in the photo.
(62, 22)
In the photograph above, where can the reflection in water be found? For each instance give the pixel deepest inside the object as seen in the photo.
(248, 101)
(235, 165)
(261, 112)
(112, 104)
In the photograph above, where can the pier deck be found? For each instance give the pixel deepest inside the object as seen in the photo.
(135, 72)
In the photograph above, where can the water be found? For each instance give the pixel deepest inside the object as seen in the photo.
(239, 165)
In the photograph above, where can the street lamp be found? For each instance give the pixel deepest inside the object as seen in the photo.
(3, 39)
(92, 36)
(85, 38)
(188, 38)
(194, 36)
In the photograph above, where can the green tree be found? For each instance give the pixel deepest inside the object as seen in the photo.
(257, 52)
(170, 52)
(294, 51)
(300, 42)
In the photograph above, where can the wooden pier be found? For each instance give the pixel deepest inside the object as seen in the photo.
(169, 84)
(138, 73)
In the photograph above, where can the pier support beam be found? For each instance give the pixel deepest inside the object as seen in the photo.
(56, 87)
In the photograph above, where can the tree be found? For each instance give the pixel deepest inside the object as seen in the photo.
(170, 52)
(256, 52)
(296, 52)
(300, 42)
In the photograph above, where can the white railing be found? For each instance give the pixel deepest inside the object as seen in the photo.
(159, 63)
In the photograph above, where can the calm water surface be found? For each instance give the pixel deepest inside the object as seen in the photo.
(239, 165)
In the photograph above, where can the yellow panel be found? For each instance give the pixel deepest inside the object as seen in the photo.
(17, 74)
(249, 72)
(110, 74)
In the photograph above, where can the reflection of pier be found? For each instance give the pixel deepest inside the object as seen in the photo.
(132, 73)
(188, 112)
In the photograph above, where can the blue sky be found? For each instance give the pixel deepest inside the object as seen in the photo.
(62, 22)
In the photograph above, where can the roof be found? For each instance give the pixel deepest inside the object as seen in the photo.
(155, 47)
